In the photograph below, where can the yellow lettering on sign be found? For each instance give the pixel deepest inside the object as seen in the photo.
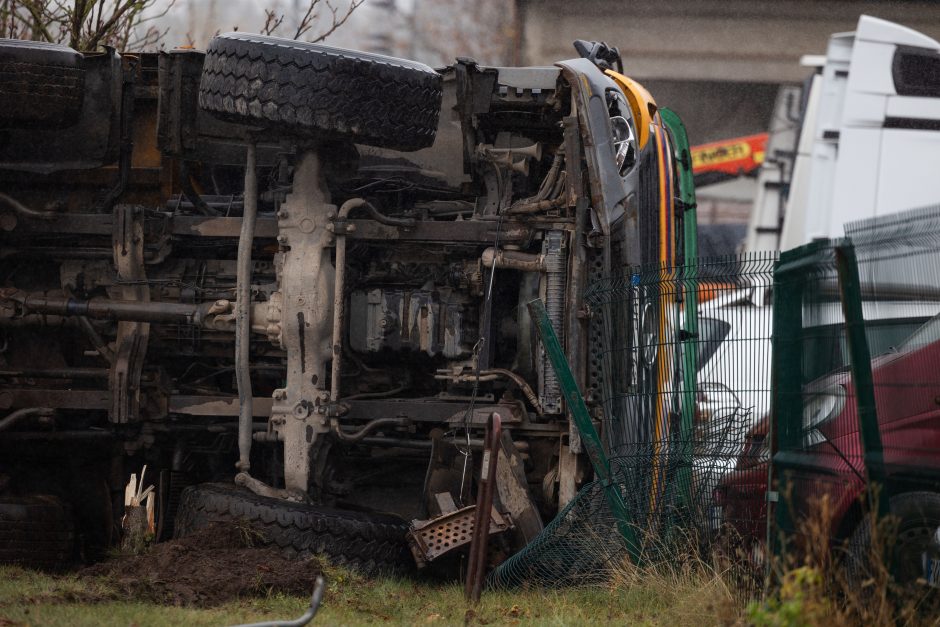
(714, 155)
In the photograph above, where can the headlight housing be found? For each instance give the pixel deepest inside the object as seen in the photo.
(624, 143)
(818, 409)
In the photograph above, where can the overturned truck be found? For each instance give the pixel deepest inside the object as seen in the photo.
(291, 280)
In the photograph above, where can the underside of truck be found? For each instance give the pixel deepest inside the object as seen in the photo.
(292, 281)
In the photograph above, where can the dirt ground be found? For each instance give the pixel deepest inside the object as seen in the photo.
(209, 568)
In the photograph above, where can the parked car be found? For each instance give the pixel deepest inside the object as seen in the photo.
(733, 384)
(832, 465)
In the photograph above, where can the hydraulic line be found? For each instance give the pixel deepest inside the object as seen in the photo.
(25, 211)
(356, 436)
(8, 421)
(339, 286)
(494, 374)
(541, 201)
(526, 389)
(242, 310)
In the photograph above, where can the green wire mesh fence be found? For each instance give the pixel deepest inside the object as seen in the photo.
(682, 395)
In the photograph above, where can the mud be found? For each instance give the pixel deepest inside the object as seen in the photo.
(213, 566)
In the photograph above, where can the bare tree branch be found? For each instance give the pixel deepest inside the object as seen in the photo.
(336, 23)
(114, 22)
(89, 24)
(82, 24)
(39, 20)
(273, 21)
(306, 22)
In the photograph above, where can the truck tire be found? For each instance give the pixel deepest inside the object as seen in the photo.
(36, 531)
(42, 85)
(369, 543)
(295, 86)
(918, 517)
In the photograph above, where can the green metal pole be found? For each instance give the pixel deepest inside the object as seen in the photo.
(688, 278)
(590, 440)
(850, 290)
(786, 422)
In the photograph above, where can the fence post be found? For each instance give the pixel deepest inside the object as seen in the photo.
(579, 413)
(850, 291)
(786, 420)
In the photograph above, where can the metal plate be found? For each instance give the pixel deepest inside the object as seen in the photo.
(430, 539)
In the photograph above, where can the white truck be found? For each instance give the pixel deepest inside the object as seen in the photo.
(869, 137)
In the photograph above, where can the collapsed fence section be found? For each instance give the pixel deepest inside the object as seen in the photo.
(686, 364)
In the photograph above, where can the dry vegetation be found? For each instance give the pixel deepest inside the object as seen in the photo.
(30, 598)
(84, 24)
(821, 586)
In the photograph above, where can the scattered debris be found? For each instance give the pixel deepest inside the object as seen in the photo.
(214, 565)
(138, 522)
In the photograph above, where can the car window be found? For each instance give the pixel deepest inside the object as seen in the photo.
(928, 333)
(711, 333)
(825, 348)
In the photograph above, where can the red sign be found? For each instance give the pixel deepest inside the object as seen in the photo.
(737, 156)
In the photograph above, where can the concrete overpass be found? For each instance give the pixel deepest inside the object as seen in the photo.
(757, 41)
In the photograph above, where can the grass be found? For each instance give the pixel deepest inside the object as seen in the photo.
(811, 589)
(31, 598)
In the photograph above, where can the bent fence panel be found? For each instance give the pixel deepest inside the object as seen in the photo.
(681, 410)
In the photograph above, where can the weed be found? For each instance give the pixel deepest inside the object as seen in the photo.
(248, 534)
(848, 584)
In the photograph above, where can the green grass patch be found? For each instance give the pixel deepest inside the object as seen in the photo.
(31, 598)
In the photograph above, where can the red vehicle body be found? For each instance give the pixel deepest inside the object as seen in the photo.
(741, 494)
(831, 462)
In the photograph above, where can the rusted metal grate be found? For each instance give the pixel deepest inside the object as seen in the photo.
(430, 539)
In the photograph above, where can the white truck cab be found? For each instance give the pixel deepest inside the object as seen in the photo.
(870, 137)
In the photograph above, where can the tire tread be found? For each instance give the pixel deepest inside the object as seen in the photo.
(375, 100)
(369, 543)
(41, 86)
